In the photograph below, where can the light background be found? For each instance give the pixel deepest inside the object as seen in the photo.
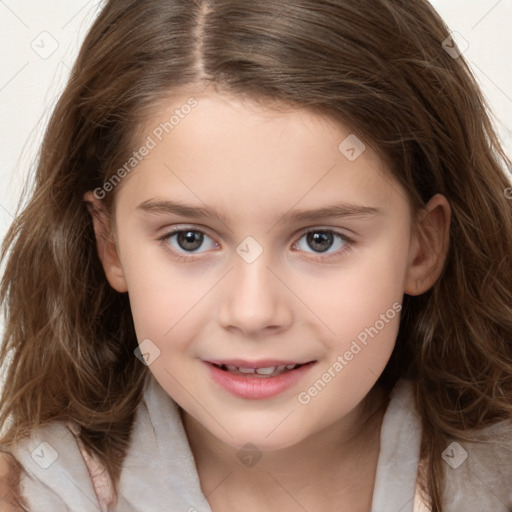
(31, 78)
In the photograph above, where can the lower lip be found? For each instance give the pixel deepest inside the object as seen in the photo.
(257, 388)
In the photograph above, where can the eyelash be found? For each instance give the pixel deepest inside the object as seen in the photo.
(349, 243)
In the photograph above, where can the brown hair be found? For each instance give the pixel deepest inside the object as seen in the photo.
(380, 68)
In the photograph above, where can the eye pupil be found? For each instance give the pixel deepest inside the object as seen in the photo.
(190, 240)
(320, 241)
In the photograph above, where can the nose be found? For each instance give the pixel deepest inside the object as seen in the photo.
(255, 302)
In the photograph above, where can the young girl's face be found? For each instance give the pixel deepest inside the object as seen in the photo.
(294, 246)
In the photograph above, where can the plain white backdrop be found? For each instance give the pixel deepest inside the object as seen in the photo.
(40, 39)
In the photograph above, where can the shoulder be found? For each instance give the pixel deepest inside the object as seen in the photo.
(477, 472)
(55, 469)
(480, 471)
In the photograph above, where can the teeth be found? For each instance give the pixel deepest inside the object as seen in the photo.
(246, 370)
(266, 371)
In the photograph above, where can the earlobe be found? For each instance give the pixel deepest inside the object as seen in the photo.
(106, 246)
(429, 247)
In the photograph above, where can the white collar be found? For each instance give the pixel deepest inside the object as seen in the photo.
(161, 448)
(159, 473)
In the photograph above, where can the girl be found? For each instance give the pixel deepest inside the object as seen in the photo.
(266, 265)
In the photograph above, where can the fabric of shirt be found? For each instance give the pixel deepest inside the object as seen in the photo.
(159, 472)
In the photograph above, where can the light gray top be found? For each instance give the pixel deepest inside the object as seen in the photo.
(159, 473)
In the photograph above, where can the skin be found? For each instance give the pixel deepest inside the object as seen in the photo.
(256, 165)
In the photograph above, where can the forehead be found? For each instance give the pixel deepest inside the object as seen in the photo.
(224, 150)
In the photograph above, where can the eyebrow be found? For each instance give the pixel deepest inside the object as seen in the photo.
(335, 211)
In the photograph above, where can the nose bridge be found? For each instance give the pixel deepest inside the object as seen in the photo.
(256, 299)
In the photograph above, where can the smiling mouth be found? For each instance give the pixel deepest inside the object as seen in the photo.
(262, 373)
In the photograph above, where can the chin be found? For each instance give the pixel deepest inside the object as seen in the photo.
(260, 438)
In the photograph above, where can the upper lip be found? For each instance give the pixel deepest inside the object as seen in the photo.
(261, 363)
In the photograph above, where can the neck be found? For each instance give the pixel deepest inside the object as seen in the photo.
(343, 455)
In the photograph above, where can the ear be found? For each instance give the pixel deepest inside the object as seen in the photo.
(106, 245)
(429, 247)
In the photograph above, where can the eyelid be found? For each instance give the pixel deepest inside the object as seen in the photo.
(183, 256)
(177, 228)
(323, 257)
(326, 229)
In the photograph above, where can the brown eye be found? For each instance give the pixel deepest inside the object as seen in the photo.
(182, 241)
(320, 241)
(189, 240)
(323, 244)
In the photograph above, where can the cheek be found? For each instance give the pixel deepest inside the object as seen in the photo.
(165, 304)
(353, 297)
(364, 314)
(161, 295)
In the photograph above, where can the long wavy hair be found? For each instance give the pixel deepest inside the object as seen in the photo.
(377, 66)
